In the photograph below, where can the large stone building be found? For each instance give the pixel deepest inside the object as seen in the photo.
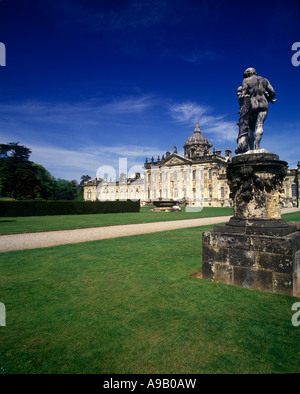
(196, 179)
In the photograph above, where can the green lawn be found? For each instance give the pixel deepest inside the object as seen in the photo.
(9, 225)
(130, 305)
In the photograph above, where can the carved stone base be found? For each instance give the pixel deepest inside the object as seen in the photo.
(265, 263)
(256, 248)
(255, 181)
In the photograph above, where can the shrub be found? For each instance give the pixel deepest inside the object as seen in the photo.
(45, 208)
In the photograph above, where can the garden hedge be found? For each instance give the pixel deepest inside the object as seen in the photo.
(45, 208)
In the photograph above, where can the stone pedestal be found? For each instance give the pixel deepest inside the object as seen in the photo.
(256, 249)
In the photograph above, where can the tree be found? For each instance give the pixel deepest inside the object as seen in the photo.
(47, 181)
(21, 178)
(84, 178)
(18, 177)
(65, 190)
(17, 152)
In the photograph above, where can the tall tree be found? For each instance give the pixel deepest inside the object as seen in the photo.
(18, 177)
(15, 152)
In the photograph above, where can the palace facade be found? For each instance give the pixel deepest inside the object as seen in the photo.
(196, 179)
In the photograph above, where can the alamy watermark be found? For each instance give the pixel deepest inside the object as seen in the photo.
(296, 56)
(296, 316)
(2, 54)
(2, 314)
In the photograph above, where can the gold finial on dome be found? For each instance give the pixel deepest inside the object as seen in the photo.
(197, 128)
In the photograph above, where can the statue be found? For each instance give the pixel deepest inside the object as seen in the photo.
(243, 123)
(253, 96)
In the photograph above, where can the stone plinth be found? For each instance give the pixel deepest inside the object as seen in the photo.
(259, 262)
(255, 181)
(256, 249)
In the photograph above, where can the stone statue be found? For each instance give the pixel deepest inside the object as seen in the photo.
(254, 96)
(243, 123)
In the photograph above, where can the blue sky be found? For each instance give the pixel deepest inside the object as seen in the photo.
(89, 82)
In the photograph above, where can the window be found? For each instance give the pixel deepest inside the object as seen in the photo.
(209, 174)
(194, 174)
(294, 190)
(222, 192)
(175, 175)
(175, 193)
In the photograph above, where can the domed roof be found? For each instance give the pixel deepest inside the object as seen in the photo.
(197, 138)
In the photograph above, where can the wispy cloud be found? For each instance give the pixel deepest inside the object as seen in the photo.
(70, 139)
(87, 118)
(132, 14)
(72, 111)
(189, 113)
(71, 164)
(195, 56)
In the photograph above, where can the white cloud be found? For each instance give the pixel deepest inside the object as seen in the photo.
(71, 164)
(189, 113)
(70, 139)
(70, 112)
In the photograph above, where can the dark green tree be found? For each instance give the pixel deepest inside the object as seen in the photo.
(84, 178)
(21, 178)
(47, 181)
(18, 177)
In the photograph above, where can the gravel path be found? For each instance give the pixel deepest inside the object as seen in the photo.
(62, 237)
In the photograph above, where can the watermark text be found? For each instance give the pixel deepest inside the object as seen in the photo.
(2, 54)
(2, 314)
(296, 56)
(296, 316)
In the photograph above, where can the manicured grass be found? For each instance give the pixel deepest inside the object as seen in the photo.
(9, 225)
(130, 305)
(291, 217)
